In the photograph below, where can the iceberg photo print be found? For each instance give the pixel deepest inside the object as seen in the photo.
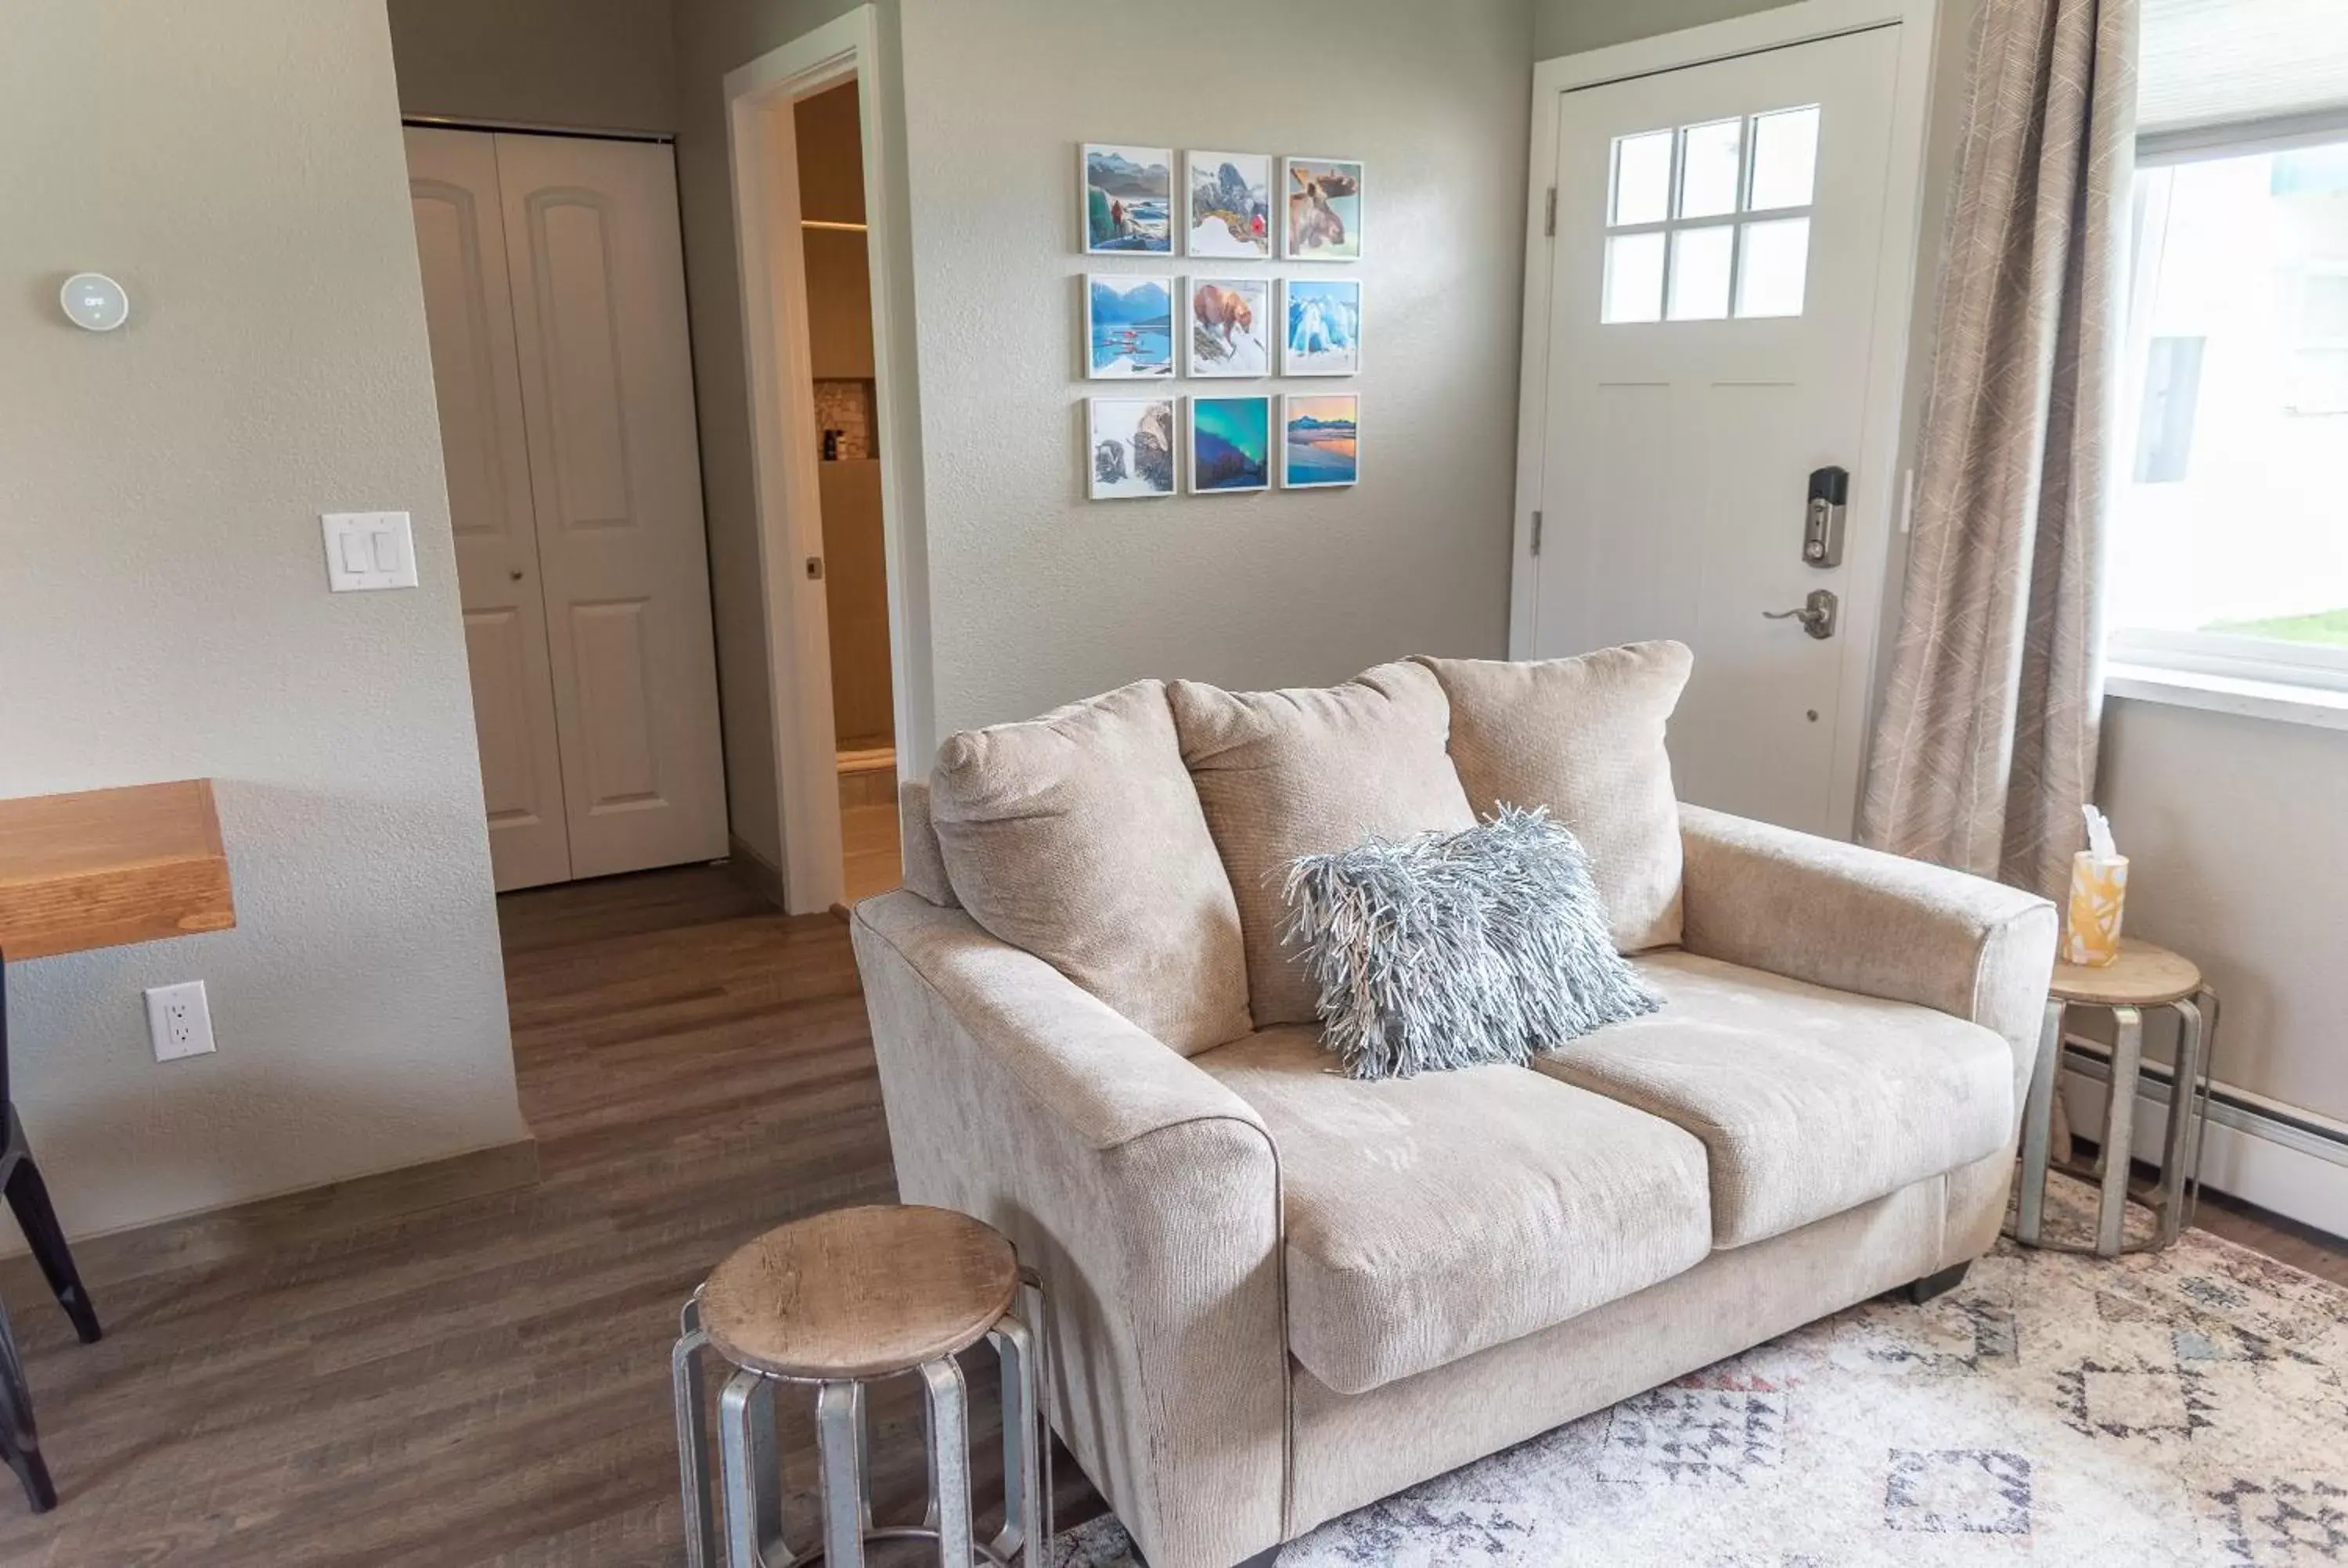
(1322, 331)
(1230, 444)
(1128, 447)
(1128, 197)
(1230, 204)
(1321, 439)
(1128, 326)
(1230, 326)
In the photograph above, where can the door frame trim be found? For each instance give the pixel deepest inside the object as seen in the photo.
(1878, 495)
(779, 364)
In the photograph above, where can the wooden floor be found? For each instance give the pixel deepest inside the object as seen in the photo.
(486, 1382)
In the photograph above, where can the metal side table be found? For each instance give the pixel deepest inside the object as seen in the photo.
(2143, 976)
(836, 1302)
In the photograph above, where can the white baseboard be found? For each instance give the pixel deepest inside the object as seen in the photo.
(2298, 1173)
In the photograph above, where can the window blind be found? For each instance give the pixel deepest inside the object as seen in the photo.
(2218, 71)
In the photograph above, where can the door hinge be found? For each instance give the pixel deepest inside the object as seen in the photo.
(1537, 533)
(1549, 225)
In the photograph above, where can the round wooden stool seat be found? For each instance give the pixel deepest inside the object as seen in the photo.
(859, 1293)
(2142, 976)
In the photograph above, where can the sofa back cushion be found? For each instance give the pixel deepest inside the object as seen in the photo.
(1584, 737)
(1284, 774)
(1077, 837)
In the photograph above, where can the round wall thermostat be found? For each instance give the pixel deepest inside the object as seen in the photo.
(94, 302)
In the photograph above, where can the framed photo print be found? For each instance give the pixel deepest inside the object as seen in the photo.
(1228, 205)
(1230, 444)
(1319, 439)
(1128, 326)
(1128, 447)
(1230, 326)
(1321, 326)
(1128, 199)
(1322, 202)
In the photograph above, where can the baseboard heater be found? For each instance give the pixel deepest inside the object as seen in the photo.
(2281, 1157)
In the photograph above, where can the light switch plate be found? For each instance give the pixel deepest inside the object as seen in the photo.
(368, 551)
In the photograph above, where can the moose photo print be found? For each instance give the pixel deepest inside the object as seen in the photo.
(1323, 197)
(1128, 196)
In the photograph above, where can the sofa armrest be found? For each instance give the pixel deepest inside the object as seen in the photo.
(1856, 919)
(1144, 1191)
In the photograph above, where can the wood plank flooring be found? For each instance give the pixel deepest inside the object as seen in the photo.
(486, 1382)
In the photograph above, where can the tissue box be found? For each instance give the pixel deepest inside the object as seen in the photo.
(2098, 898)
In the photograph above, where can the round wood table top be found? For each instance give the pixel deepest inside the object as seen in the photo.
(859, 1293)
(2142, 976)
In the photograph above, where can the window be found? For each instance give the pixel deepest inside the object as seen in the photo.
(1675, 247)
(2229, 538)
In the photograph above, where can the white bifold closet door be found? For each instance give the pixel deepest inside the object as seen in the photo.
(554, 290)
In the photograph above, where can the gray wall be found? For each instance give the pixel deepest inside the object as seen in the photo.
(164, 613)
(2236, 852)
(596, 65)
(1036, 595)
(1570, 26)
(1039, 596)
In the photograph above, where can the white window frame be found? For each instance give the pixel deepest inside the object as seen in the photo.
(2298, 682)
(1738, 217)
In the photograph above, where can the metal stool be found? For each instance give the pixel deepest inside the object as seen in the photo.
(2143, 976)
(839, 1301)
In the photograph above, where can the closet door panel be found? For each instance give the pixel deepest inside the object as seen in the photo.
(469, 313)
(598, 280)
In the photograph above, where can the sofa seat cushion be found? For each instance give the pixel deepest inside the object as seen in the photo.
(1809, 1100)
(1430, 1217)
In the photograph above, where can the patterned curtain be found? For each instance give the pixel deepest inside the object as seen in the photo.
(1985, 744)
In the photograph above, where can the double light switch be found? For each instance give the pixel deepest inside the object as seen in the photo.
(368, 550)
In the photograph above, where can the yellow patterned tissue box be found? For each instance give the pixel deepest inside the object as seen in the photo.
(2098, 898)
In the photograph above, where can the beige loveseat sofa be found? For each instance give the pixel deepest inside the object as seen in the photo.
(1279, 1292)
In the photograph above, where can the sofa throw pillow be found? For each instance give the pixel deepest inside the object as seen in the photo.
(1284, 774)
(1584, 737)
(1455, 950)
(1077, 837)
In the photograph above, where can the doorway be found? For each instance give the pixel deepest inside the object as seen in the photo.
(1716, 311)
(554, 302)
(822, 272)
(835, 279)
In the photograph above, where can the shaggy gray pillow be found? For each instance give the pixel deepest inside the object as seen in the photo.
(1451, 950)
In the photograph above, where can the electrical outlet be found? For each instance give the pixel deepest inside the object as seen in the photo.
(180, 1020)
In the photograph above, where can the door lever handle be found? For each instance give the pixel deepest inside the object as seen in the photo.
(1817, 614)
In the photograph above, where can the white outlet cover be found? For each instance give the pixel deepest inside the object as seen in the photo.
(180, 1020)
(368, 550)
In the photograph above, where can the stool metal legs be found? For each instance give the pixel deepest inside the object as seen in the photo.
(2179, 1188)
(746, 1509)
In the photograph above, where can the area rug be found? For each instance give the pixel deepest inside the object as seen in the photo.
(2172, 1407)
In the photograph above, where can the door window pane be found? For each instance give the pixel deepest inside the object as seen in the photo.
(1642, 178)
(1634, 278)
(1785, 157)
(1708, 168)
(1770, 274)
(1700, 273)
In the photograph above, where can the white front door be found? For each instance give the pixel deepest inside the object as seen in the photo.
(554, 295)
(1712, 307)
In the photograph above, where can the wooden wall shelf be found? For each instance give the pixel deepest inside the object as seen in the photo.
(103, 867)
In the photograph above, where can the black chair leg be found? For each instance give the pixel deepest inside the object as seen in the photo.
(20, 1442)
(28, 1197)
(1920, 1291)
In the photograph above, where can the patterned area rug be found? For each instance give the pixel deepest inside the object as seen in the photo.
(2181, 1407)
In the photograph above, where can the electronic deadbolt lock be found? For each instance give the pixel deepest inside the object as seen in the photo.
(1822, 523)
